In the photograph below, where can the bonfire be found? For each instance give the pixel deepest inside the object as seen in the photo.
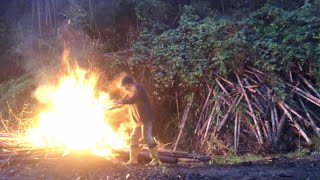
(74, 116)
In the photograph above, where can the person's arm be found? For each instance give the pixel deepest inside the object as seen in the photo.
(131, 97)
(127, 100)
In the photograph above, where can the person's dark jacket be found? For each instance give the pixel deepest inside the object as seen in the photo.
(139, 104)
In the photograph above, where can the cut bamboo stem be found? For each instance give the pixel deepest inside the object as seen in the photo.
(296, 114)
(309, 85)
(303, 134)
(183, 122)
(313, 124)
(255, 70)
(221, 86)
(238, 129)
(236, 134)
(234, 103)
(202, 112)
(269, 132)
(279, 127)
(260, 140)
(304, 94)
(209, 121)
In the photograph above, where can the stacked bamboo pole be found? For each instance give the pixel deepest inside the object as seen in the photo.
(248, 106)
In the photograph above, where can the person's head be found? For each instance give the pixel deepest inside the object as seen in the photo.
(127, 82)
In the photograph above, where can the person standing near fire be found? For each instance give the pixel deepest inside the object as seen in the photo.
(142, 116)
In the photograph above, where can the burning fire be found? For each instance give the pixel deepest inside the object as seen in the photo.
(74, 117)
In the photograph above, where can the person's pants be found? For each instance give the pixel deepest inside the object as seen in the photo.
(146, 130)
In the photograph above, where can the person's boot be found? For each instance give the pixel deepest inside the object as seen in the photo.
(134, 152)
(154, 154)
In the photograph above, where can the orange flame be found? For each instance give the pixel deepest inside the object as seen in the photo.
(75, 115)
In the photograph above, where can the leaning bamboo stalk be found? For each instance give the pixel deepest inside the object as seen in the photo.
(313, 124)
(290, 76)
(273, 121)
(261, 94)
(251, 88)
(255, 69)
(209, 122)
(234, 103)
(269, 132)
(304, 135)
(253, 95)
(238, 130)
(279, 127)
(225, 100)
(315, 116)
(308, 98)
(225, 80)
(177, 106)
(264, 91)
(309, 85)
(253, 128)
(296, 114)
(264, 129)
(235, 133)
(221, 86)
(249, 72)
(196, 131)
(184, 119)
(258, 78)
(306, 95)
(247, 76)
(260, 140)
(258, 108)
(274, 109)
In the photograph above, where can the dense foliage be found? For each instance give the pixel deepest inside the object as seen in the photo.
(189, 53)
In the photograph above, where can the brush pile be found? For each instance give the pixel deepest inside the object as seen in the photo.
(245, 114)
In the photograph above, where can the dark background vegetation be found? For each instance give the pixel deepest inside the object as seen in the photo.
(177, 49)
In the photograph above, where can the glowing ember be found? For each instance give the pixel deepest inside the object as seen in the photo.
(75, 114)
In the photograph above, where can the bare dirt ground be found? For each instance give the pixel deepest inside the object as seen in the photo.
(96, 168)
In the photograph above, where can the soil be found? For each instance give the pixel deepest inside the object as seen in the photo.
(98, 168)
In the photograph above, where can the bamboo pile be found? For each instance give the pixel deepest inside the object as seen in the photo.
(248, 109)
